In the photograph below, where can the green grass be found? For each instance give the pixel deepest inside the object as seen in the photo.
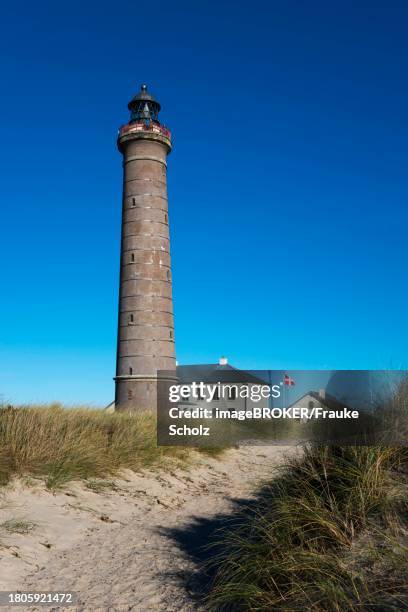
(61, 444)
(100, 485)
(20, 526)
(329, 534)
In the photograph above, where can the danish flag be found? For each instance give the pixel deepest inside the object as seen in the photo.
(288, 381)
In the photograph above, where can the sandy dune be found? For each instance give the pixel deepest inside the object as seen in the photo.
(137, 543)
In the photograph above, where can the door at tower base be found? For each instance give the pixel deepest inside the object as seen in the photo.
(145, 323)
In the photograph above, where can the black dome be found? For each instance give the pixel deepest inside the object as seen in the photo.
(143, 96)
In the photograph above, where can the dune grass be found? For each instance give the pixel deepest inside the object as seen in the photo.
(17, 525)
(64, 444)
(329, 534)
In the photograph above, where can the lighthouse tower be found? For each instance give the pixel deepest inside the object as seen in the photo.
(145, 326)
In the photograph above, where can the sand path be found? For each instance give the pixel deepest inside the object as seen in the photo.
(137, 543)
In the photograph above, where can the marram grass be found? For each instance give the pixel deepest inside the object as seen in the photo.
(330, 534)
(62, 444)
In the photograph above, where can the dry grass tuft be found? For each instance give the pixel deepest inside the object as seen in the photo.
(64, 444)
(329, 534)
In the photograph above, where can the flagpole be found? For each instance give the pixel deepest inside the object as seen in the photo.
(289, 384)
(284, 391)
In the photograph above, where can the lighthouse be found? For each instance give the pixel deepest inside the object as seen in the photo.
(145, 341)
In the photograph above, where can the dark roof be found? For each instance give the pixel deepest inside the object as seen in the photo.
(143, 95)
(329, 401)
(213, 373)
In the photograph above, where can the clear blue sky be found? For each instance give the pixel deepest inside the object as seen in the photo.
(287, 183)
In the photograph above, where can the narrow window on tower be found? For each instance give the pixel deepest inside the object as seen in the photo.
(131, 318)
(133, 201)
(132, 258)
(171, 334)
(130, 371)
(166, 219)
